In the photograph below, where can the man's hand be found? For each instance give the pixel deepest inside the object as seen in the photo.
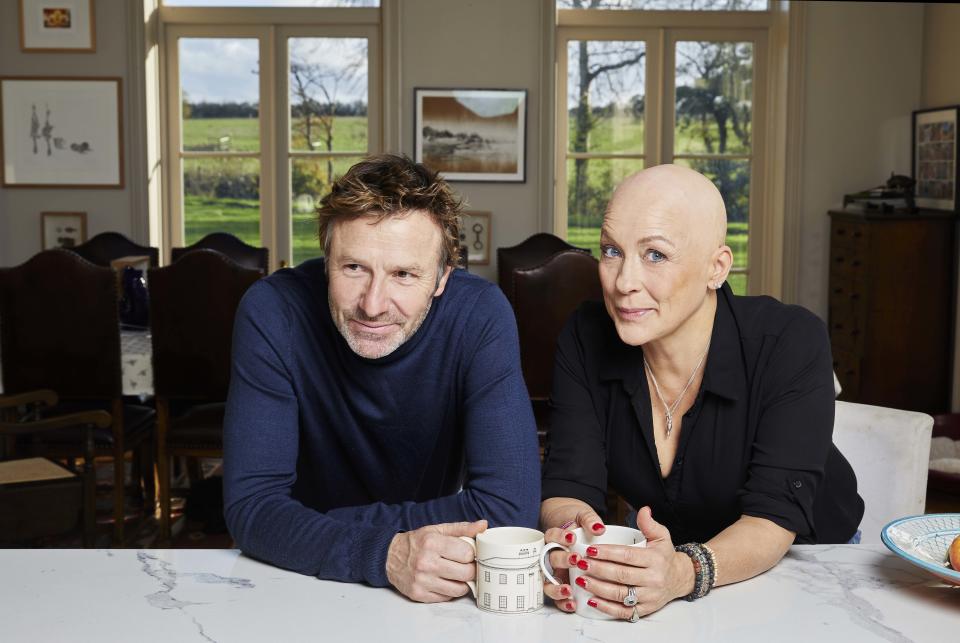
(432, 564)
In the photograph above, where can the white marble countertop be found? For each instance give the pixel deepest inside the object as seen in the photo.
(847, 593)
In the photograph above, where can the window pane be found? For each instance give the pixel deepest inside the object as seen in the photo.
(590, 183)
(714, 97)
(220, 105)
(221, 195)
(272, 3)
(605, 95)
(311, 180)
(669, 5)
(738, 282)
(328, 94)
(732, 178)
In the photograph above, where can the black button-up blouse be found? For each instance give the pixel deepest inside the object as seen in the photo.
(757, 440)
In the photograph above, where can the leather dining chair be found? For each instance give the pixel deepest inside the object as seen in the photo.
(545, 295)
(40, 498)
(531, 252)
(192, 307)
(107, 246)
(60, 330)
(244, 254)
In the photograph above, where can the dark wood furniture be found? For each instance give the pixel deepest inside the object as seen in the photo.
(891, 296)
(243, 253)
(532, 251)
(107, 246)
(39, 498)
(192, 306)
(61, 331)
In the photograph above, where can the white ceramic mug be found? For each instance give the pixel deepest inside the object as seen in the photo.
(613, 535)
(509, 577)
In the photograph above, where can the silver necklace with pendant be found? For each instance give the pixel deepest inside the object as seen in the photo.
(669, 410)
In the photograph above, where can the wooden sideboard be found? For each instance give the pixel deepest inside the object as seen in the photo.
(891, 302)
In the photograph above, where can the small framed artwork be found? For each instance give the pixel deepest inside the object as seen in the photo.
(934, 161)
(63, 229)
(472, 134)
(57, 26)
(475, 235)
(61, 132)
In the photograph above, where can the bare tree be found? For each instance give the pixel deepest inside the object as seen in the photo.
(316, 89)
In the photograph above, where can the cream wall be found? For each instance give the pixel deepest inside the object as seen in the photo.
(119, 210)
(486, 44)
(940, 82)
(862, 81)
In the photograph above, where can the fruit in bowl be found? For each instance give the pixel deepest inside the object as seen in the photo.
(953, 554)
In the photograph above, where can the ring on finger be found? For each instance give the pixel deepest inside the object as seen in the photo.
(631, 598)
(635, 616)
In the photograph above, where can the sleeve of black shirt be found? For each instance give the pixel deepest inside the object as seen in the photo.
(794, 433)
(575, 465)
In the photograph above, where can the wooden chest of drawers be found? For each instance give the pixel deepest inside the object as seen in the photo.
(891, 307)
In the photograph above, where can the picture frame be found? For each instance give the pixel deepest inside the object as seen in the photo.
(61, 132)
(54, 26)
(475, 236)
(63, 229)
(934, 148)
(472, 135)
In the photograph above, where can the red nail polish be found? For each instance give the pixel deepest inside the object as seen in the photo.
(565, 591)
(592, 551)
(592, 602)
(568, 538)
(597, 526)
(582, 564)
(573, 559)
(571, 606)
(581, 581)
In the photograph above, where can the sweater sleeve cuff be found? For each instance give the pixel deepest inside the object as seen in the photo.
(369, 555)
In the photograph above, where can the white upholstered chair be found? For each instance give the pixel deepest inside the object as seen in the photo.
(889, 450)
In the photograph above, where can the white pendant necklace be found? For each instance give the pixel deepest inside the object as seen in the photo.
(669, 410)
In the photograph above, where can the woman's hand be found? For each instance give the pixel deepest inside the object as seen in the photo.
(658, 573)
(561, 561)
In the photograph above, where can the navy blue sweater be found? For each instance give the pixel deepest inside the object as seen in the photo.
(327, 455)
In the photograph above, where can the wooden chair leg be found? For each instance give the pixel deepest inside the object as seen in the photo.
(163, 470)
(89, 490)
(146, 468)
(119, 477)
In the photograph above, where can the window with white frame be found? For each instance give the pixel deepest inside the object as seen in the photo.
(645, 82)
(267, 102)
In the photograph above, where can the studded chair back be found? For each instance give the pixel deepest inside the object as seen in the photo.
(244, 254)
(107, 246)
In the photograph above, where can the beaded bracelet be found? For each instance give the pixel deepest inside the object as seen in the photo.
(704, 569)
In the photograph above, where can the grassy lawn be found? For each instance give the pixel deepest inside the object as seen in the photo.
(349, 134)
(241, 217)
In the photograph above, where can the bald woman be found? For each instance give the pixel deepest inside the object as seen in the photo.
(712, 412)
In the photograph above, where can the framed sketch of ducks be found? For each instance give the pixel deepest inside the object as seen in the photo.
(61, 132)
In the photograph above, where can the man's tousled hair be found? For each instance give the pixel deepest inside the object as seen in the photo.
(388, 185)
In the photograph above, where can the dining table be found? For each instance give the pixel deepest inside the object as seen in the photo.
(136, 363)
(817, 593)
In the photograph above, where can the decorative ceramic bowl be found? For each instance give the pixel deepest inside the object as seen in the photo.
(923, 541)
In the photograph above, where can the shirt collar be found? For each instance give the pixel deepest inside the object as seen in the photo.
(723, 374)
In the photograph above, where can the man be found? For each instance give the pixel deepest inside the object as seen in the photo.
(377, 409)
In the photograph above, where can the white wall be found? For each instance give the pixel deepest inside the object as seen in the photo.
(480, 44)
(862, 69)
(106, 209)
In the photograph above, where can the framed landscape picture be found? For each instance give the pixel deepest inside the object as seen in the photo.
(472, 134)
(63, 229)
(61, 133)
(57, 26)
(934, 159)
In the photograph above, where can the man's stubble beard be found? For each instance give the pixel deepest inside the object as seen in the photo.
(386, 346)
